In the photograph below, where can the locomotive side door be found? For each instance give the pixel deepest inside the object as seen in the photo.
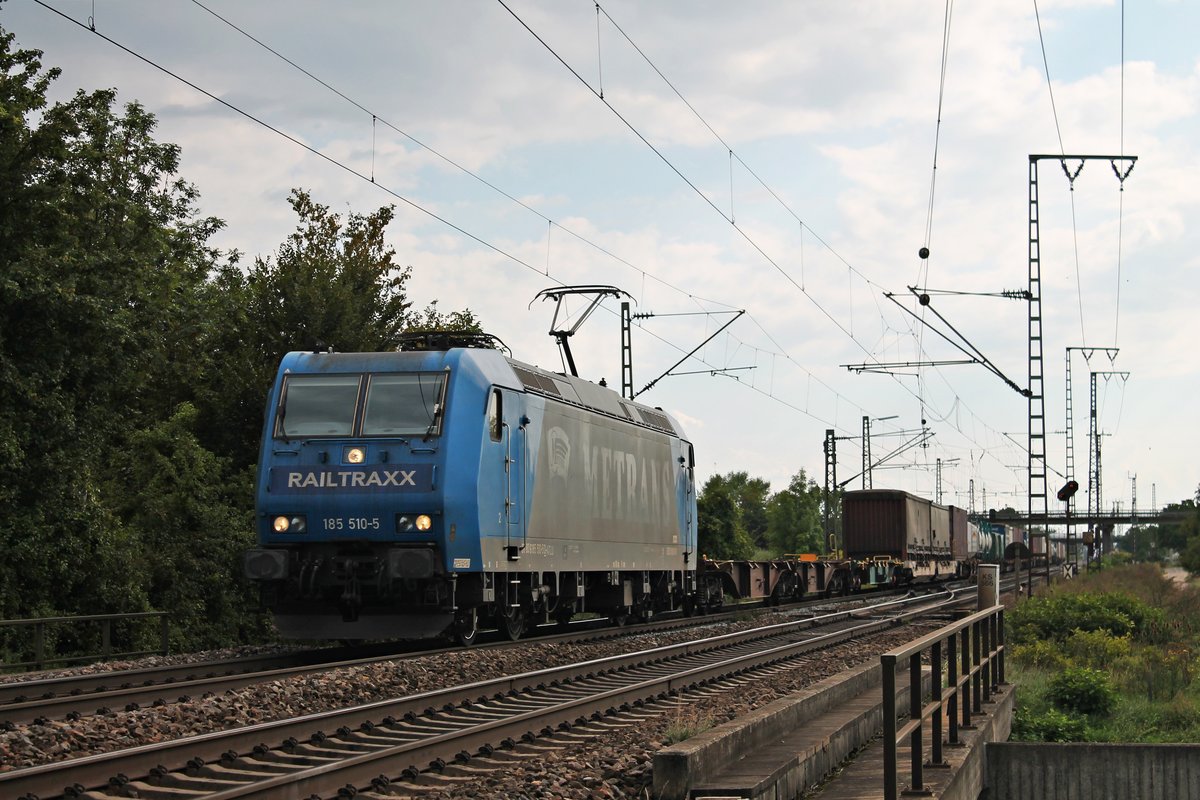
(512, 431)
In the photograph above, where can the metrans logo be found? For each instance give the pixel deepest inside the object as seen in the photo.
(399, 478)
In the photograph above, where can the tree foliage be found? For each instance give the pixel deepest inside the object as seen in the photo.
(101, 254)
(332, 284)
(794, 517)
(738, 515)
(135, 358)
(721, 530)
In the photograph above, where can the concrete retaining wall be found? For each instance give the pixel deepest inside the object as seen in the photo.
(680, 766)
(1040, 771)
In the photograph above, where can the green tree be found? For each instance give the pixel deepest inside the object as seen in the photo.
(196, 519)
(794, 517)
(101, 254)
(750, 494)
(1189, 559)
(333, 283)
(719, 527)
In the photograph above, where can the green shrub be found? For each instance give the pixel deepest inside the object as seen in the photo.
(1157, 672)
(1041, 654)
(1082, 690)
(1095, 649)
(1050, 725)
(1056, 617)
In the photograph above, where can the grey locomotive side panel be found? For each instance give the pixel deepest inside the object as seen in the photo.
(604, 495)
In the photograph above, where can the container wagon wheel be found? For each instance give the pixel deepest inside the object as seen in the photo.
(512, 623)
(466, 627)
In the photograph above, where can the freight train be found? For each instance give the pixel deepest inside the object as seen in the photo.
(444, 487)
(890, 538)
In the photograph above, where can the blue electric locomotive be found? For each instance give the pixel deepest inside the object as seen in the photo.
(420, 493)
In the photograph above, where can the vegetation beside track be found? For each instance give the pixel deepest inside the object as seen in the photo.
(1110, 657)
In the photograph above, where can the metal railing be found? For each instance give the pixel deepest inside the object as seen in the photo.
(974, 669)
(40, 659)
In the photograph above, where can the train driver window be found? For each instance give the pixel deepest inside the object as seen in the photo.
(318, 405)
(495, 415)
(405, 404)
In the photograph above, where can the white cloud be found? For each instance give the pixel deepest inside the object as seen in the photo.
(835, 106)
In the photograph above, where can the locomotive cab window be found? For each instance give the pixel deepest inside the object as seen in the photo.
(317, 405)
(495, 415)
(405, 405)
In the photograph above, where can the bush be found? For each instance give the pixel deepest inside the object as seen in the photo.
(1050, 725)
(1057, 616)
(1095, 649)
(1082, 690)
(1041, 654)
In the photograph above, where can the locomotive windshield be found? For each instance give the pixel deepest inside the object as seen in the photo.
(318, 405)
(404, 405)
(396, 405)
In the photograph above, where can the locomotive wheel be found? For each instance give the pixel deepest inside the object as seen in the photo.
(511, 622)
(466, 627)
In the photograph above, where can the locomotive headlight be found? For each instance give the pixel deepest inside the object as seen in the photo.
(355, 455)
(286, 524)
(424, 523)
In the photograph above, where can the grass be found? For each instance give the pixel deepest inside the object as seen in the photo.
(687, 721)
(1157, 679)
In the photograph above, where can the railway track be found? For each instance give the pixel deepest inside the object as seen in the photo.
(387, 744)
(70, 697)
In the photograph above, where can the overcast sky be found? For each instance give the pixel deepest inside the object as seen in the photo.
(709, 157)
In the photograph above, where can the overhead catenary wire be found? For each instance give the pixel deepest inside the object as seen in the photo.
(550, 222)
(360, 175)
(775, 195)
(707, 200)
(1071, 178)
(839, 399)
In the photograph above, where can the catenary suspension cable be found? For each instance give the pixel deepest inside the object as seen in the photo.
(1062, 149)
(367, 178)
(769, 189)
(491, 185)
(411, 203)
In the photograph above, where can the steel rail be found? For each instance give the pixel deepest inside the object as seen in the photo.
(48, 780)
(23, 702)
(363, 769)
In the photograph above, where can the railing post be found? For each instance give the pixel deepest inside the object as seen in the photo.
(39, 645)
(935, 727)
(1000, 639)
(964, 658)
(914, 712)
(106, 638)
(952, 681)
(165, 629)
(976, 662)
(988, 680)
(890, 784)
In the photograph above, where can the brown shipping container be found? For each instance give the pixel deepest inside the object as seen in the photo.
(886, 522)
(959, 548)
